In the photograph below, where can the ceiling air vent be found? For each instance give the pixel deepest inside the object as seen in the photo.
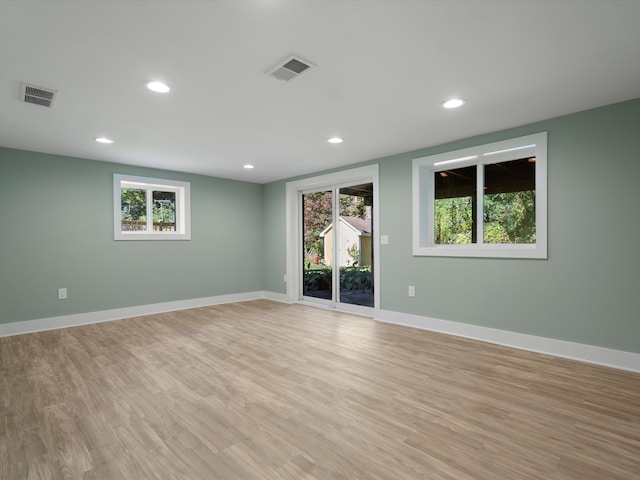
(38, 95)
(290, 69)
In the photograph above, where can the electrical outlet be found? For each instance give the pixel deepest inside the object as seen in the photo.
(412, 291)
(384, 239)
(62, 293)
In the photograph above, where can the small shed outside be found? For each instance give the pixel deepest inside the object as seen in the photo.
(352, 231)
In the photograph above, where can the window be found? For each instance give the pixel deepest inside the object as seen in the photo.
(485, 201)
(150, 209)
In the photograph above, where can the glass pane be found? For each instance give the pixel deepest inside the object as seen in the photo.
(164, 211)
(355, 246)
(317, 274)
(510, 202)
(134, 209)
(455, 206)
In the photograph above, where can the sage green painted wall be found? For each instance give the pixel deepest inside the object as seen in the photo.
(57, 231)
(274, 246)
(588, 291)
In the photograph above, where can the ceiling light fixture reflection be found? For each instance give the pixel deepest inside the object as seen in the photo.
(462, 159)
(335, 140)
(453, 103)
(158, 87)
(510, 149)
(103, 140)
(248, 166)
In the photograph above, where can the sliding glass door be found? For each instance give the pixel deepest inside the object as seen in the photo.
(337, 245)
(354, 253)
(317, 271)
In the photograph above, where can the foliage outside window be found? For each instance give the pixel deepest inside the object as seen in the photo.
(486, 201)
(317, 214)
(150, 208)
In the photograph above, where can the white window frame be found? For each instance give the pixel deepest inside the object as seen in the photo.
(366, 174)
(183, 207)
(424, 198)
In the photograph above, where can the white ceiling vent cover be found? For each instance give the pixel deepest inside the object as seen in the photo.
(290, 68)
(38, 95)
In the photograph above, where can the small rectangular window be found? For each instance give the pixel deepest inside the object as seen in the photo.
(151, 208)
(485, 201)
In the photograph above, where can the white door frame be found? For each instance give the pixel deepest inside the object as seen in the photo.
(367, 174)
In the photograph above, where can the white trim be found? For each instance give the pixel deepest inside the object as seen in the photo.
(276, 297)
(576, 351)
(369, 173)
(560, 348)
(423, 169)
(183, 207)
(54, 323)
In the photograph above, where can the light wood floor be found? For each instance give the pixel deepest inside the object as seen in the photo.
(261, 390)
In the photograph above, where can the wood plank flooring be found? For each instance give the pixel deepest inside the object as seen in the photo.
(261, 390)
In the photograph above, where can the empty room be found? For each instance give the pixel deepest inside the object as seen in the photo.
(319, 240)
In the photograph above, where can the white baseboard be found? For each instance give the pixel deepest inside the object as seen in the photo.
(276, 297)
(560, 348)
(53, 323)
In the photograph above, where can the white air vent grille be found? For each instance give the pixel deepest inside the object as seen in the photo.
(290, 68)
(38, 95)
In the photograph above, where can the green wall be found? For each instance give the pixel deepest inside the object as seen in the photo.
(57, 231)
(274, 246)
(588, 291)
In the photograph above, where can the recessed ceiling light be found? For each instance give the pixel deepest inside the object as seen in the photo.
(103, 140)
(158, 87)
(335, 140)
(453, 103)
(248, 166)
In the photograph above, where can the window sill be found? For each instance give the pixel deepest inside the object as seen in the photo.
(483, 251)
(151, 236)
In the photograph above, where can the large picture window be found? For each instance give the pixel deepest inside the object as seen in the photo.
(485, 201)
(150, 208)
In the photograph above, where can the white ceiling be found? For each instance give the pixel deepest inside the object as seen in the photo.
(383, 69)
